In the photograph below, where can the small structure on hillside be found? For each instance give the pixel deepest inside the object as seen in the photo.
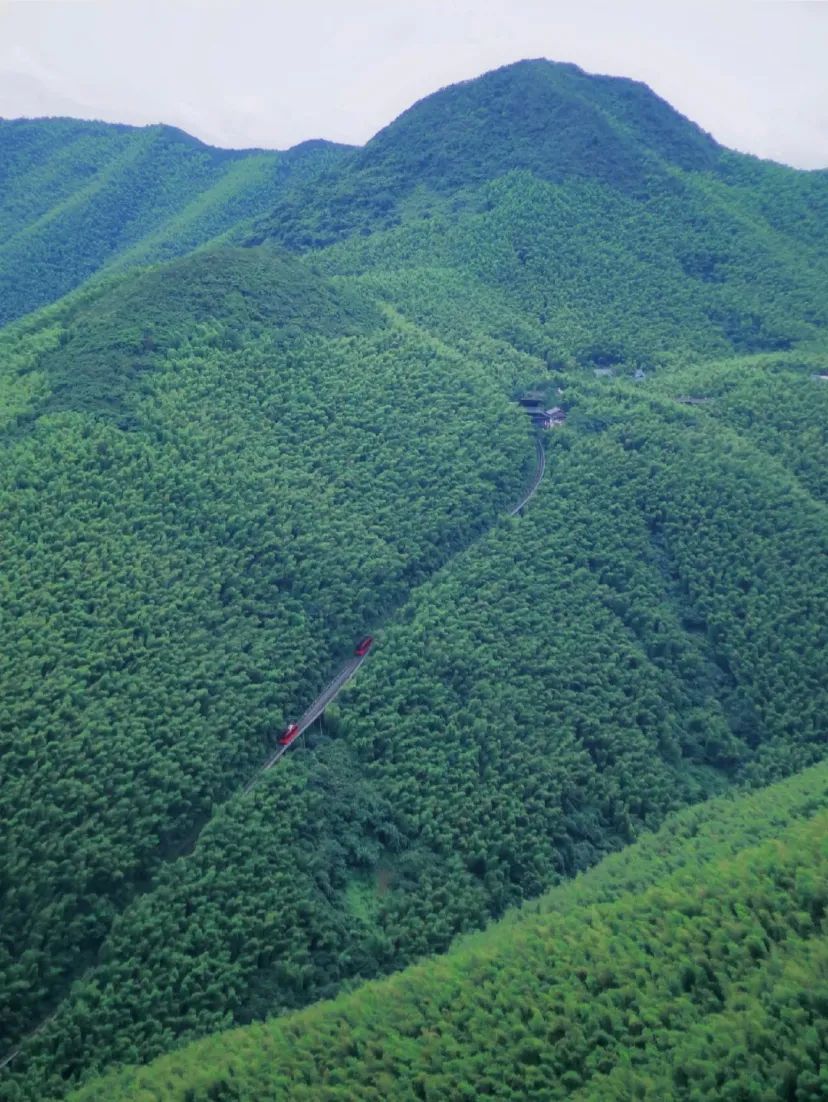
(603, 372)
(531, 400)
(822, 378)
(640, 374)
(547, 418)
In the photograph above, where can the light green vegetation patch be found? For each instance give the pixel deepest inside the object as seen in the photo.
(691, 966)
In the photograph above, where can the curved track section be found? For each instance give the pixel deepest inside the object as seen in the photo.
(533, 489)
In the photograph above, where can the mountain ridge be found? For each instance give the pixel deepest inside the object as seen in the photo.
(92, 125)
(140, 194)
(223, 464)
(550, 118)
(626, 982)
(130, 194)
(539, 85)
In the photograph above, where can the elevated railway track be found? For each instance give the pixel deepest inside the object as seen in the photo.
(313, 712)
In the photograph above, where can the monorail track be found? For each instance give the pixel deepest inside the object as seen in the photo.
(331, 690)
(533, 489)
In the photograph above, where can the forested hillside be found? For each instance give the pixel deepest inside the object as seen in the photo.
(552, 121)
(577, 672)
(693, 966)
(194, 535)
(220, 470)
(76, 197)
(580, 218)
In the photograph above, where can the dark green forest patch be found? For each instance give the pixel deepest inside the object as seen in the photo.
(238, 295)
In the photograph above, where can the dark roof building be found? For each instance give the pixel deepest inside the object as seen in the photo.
(531, 399)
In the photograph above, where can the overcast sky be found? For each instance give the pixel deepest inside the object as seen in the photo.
(252, 72)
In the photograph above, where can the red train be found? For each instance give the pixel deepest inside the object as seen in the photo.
(363, 646)
(289, 735)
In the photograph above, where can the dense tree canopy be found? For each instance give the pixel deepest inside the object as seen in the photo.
(691, 967)
(574, 674)
(179, 586)
(219, 471)
(77, 197)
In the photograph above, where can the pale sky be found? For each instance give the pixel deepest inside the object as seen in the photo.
(271, 74)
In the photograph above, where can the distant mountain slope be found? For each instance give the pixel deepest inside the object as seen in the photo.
(694, 965)
(582, 275)
(550, 119)
(602, 197)
(79, 196)
(611, 225)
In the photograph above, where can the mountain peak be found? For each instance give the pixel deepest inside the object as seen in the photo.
(550, 118)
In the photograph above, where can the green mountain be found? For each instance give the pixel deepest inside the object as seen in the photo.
(552, 121)
(252, 441)
(637, 250)
(650, 632)
(694, 965)
(77, 197)
(616, 229)
(220, 470)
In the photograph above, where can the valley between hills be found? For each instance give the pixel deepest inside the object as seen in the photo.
(564, 835)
